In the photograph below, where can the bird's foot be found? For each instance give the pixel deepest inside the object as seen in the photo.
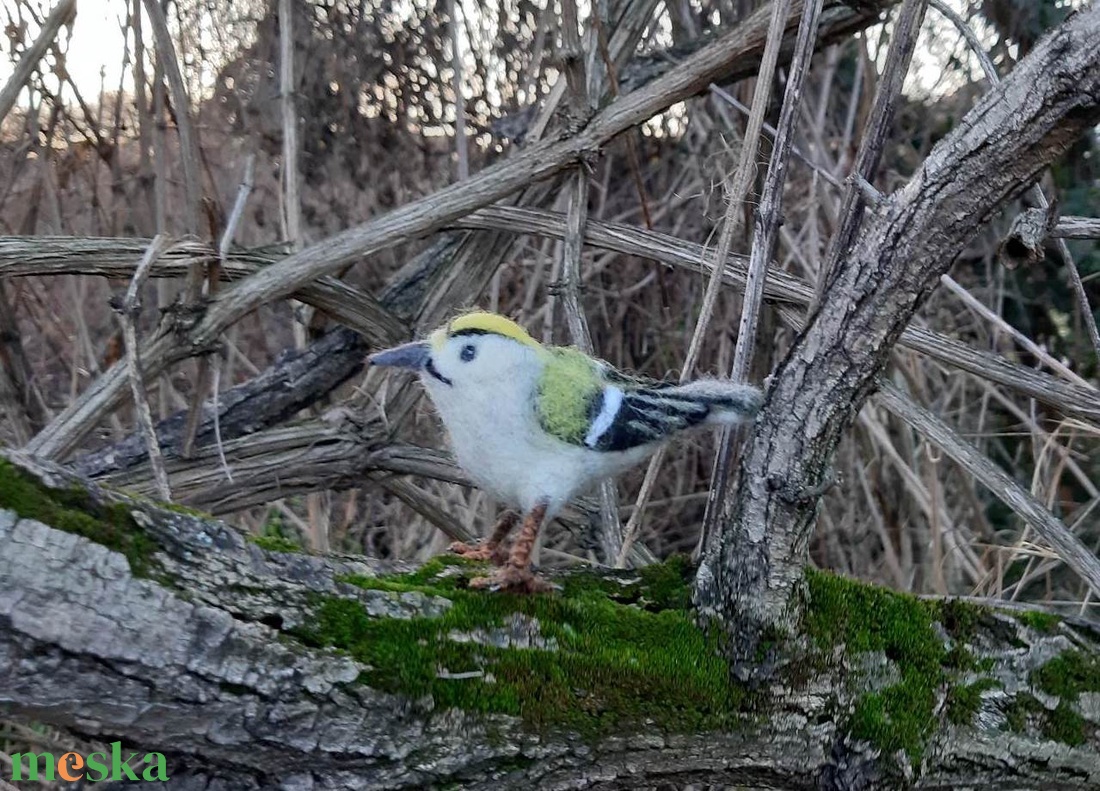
(513, 579)
(482, 551)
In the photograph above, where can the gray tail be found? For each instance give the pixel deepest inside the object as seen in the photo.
(725, 402)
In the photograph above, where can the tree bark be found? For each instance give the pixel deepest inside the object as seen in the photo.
(752, 572)
(176, 635)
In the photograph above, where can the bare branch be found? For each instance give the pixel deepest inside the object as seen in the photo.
(902, 44)
(67, 255)
(189, 145)
(764, 238)
(1077, 228)
(611, 531)
(737, 194)
(1023, 244)
(1072, 398)
(1036, 194)
(998, 321)
(740, 184)
(128, 315)
(462, 147)
(807, 160)
(62, 14)
(21, 257)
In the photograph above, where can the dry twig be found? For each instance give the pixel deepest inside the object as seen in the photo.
(1036, 192)
(902, 44)
(765, 231)
(128, 314)
(1054, 532)
(62, 14)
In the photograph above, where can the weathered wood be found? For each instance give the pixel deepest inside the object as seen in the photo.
(902, 44)
(300, 379)
(1023, 244)
(297, 380)
(25, 256)
(1077, 228)
(190, 644)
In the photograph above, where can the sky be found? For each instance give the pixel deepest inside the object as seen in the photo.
(96, 44)
(96, 47)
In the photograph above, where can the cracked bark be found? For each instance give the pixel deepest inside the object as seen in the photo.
(200, 664)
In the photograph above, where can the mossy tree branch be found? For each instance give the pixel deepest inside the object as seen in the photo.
(253, 668)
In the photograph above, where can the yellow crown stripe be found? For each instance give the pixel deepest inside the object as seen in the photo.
(494, 323)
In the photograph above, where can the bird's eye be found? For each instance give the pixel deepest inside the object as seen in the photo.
(468, 353)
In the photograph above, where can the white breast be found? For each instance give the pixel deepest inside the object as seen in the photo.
(499, 443)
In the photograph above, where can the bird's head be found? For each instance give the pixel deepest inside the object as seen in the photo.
(474, 353)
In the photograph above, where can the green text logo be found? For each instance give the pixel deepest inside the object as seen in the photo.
(96, 768)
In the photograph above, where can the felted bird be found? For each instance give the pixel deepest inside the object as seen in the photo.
(535, 426)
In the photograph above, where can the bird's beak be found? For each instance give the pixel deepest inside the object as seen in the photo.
(414, 356)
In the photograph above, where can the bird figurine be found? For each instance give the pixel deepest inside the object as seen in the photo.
(535, 425)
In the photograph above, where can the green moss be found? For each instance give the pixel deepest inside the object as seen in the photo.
(444, 573)
(1022, 707)
(1064, 725)
(1068, 675)
(612, 663)
(961, 659)
(865, 618)
(960, 619)
(275, 543)
(179, 509)
(964, 700)
(74, 511)
(1044, 622)
(667, 586)
(628, 650)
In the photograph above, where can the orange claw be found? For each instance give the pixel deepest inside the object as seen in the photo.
(473, 551)
(512, 579)
(493, 549)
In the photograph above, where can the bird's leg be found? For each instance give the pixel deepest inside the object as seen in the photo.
(491, 549)
(515, 575)
(525, 541)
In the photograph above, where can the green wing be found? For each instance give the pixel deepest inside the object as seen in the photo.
(569, 393)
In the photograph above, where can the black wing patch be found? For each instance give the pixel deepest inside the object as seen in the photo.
(647, 416)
